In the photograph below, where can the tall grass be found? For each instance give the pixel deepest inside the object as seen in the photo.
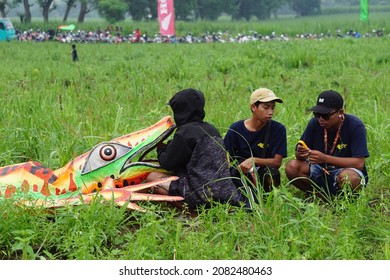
(54, 109)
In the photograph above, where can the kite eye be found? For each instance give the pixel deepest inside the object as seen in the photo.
(108, 152)
(104, 154)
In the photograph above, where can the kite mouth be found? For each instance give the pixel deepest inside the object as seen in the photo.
(127, 151)
(145, 150)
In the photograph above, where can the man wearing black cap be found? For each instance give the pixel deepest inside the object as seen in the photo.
(331, 151)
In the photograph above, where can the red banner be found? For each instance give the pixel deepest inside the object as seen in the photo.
(166, 17)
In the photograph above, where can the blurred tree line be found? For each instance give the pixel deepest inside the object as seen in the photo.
(187, 10)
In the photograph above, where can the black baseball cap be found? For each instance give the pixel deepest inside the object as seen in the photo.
(327, 101)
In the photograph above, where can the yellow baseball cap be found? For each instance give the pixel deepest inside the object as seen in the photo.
(264, 95)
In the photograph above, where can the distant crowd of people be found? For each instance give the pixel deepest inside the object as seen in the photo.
(116, 36)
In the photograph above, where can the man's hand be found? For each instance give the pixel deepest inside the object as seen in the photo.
(303, 152)
(246, 165)
(161, 146)
(317, 157)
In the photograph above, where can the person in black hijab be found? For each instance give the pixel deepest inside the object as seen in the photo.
(196, 155)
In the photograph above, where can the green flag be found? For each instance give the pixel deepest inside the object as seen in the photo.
(364, 10)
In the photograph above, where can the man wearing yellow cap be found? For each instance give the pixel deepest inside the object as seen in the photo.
(258, 143)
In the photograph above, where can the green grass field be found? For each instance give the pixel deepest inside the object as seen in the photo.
(54, 109)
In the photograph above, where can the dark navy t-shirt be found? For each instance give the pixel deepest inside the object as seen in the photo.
(242, 143)
(352, 141)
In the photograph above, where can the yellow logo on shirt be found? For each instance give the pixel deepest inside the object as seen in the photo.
(261, 145)
(341, 146)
